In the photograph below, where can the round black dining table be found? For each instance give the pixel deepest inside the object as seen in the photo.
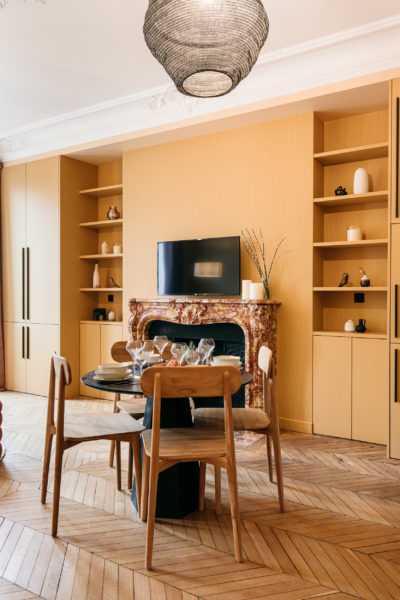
(178, 486)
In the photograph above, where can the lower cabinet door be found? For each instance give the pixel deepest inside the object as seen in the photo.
(42, 341)
(394, 439)
(14, 353)
(370, 391)
(108, 336)
(89, 354)
(332, 386)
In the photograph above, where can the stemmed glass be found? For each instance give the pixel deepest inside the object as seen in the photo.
(207, 345)
(160, 342)
(191, 356)
(133, 347)
(144, 354)
(178, 349)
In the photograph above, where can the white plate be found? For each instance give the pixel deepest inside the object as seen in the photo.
(226, 358)
(227, 364)
(114, 367)
(119, 375)
(108, 380)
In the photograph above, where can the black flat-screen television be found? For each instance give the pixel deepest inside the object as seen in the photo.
(199, 267)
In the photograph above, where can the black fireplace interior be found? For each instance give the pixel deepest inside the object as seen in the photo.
(228, 337)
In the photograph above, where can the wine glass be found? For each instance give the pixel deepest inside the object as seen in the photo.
(191, 356)
(144, 354)
(208, 345)
(201, 355)
(178, 349)
(160, 342)
(133, 346)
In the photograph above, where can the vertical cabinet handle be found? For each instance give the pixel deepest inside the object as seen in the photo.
(28, 286)
(28, 352)
(23, 283)
(395, 374)
(23, 342)
(397, 157)
(396, 302)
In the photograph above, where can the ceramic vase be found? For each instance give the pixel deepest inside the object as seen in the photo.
(360, 183)
(111, 316)
(105, 248)
(117, 248)
(96, 276)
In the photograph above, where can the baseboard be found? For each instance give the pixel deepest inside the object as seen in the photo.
(295, 425)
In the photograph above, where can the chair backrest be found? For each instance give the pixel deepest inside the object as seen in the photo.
(119, 353)
(185, 382)
(266, 364)
(59, 371)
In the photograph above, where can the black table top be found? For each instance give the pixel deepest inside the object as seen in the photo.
(132, 387)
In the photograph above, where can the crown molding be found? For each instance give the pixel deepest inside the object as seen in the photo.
(352, 53)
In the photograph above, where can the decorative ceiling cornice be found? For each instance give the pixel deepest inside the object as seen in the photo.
(349, 54)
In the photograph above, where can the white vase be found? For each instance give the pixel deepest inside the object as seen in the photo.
(117, 248)
(105, 248)
(96, 276)
(360, 183)
(111, 316)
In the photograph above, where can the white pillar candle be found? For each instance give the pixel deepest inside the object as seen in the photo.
(354, 233)
(246, 289)
(257, 291)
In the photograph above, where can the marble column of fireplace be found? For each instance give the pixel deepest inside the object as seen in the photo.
(257, 318)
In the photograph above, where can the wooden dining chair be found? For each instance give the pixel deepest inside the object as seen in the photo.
(264, 421)
(166, 447)
(133, 406)
(70, 431)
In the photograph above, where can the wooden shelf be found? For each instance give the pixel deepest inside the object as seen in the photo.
(346, 244)
(350, 289)
(101, 192)
(100, 289)
(337, 157)
(366, 334)
(352, 199)
(100, 256)
(102, 224)
(104, 322)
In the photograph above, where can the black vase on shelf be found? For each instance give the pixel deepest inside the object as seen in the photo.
(360, 327)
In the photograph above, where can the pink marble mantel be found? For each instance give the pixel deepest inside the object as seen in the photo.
(257, 318)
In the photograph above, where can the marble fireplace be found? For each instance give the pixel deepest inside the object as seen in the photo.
(257, 320)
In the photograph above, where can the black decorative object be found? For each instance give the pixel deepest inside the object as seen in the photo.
(206, 47)
(360, 327)
(365, 280)
(344, 281)
(99, 314)
(340, 191)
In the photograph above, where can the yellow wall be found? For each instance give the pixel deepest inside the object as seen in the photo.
(214, 185)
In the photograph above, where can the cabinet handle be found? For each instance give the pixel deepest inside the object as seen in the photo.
(23, 283)
(396, 298)
(27, 342)
(28, 285)
(395, 374)
(397, 157)
(23, 342)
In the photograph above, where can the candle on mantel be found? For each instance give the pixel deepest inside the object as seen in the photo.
(257, 291)
(246, 289)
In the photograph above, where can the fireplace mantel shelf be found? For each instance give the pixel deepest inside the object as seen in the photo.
(201, 300)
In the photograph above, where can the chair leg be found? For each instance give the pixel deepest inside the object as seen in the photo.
(151, 513)
(135, 448)
(278, 467)
(130, 467)
(46, 466)
(202, 485)
(112, 445)
(234, 501)
(57, 487)
(118, 463)
(268, 443)
(217, 483)
(145, 486)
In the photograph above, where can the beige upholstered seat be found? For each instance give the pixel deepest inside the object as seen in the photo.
(243, 418)
(99, 426)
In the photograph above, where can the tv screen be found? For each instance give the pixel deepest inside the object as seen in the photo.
(195, 267)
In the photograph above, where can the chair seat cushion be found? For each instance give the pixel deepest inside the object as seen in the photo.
(244, 419)
(99, 426)
(187, 443)
(133, 406)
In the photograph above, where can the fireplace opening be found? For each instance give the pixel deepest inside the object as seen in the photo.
(228, 337)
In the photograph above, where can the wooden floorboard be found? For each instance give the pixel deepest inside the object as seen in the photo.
(338, 539)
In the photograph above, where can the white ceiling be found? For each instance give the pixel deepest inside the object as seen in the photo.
(65, 55)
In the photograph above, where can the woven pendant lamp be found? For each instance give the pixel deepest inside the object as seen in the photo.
(206, 46)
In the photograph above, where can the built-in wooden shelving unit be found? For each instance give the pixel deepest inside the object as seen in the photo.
(346, 155)
(350, 199)
(350, 289)
(103, 192)
(100, 256)
(102, 224)
(104, 289)
(346, 244)
(352, 334)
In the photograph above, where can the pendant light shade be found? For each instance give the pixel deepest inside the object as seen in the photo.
(206, 46)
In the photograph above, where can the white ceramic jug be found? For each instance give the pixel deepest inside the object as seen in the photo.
(349, 325)
(105, 248)
(360, 183)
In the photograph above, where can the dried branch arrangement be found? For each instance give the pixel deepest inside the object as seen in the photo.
(255, 246)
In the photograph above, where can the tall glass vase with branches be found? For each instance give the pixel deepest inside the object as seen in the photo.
(255, 246)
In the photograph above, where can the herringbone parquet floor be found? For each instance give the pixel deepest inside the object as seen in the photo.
(339, 538)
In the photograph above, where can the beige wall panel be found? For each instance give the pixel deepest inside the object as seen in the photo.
(15, 364)
(343, 175)
(89, 354)
(395, 281)
(257, 176)
(332, 386)
(109, 334)
(13, 235)
(43, 239)
(356, 130)
(394, 443)
(370, 391)
(43, 341)
(395, 156)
